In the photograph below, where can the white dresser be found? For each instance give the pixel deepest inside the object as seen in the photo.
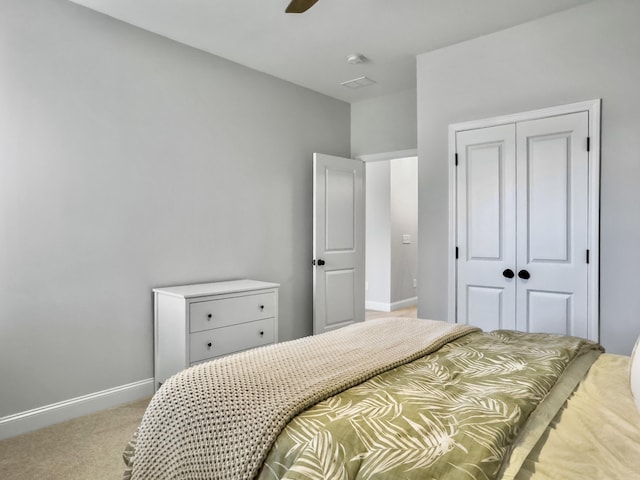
(196, 323)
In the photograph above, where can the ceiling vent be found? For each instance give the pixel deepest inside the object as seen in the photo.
(358, 82)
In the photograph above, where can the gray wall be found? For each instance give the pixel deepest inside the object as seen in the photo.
(381, 125)
(580, 54)
(404, 221)
(128, 161)
(384, 124)
(378, 232)
(392, 211)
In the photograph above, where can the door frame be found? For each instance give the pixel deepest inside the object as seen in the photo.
(593, 223)
(387, 157)
(377, 157)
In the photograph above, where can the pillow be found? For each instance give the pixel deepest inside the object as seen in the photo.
(634, 374)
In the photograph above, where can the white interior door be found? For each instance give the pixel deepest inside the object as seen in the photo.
(553, 174)
(522, 196)
(486, 203)
(338, 242)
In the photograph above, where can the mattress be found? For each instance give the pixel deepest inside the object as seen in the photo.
(597, 433)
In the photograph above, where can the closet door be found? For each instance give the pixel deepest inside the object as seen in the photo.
(486, 227)
(522, 225)
(552, 215)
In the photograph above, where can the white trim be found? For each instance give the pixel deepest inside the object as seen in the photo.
(377, 306)
(593, 229)
(390, 307)
(593, 226)
(452, 305)
(378, 157)
(41, 417)
(588, 106)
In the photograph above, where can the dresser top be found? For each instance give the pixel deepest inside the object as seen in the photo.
(216, 288)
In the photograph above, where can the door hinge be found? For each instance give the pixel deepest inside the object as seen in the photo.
(456, 253)
(587, 256)
(456, 159)
(588, 144)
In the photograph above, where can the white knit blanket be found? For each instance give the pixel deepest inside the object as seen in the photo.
(218, 420)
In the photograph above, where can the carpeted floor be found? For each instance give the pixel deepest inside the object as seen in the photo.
(85, 448)
(403, 312)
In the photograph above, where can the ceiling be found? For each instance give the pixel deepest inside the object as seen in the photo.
(310, 49)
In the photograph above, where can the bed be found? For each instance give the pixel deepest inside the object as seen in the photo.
(396, 398)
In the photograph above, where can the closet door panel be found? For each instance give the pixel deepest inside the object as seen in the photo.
(485, 307)
(486, 226)
(485, 235)
(552, 211)
(548, 170)
(549, 312)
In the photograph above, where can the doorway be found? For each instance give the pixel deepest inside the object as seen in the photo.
(391, 239)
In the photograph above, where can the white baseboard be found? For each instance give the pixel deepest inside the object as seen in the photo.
(390, 307)
(377, 306)
(41, 417)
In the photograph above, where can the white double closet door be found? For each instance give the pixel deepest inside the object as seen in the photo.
(522, 225)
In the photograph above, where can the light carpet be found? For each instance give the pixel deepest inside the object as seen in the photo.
(89, 447)
(85, 448)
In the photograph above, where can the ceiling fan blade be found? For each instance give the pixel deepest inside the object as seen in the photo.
(300, 6)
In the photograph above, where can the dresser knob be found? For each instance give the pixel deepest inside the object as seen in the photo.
(209, 316)
(209, 345)
(261, 333)
(261, 307)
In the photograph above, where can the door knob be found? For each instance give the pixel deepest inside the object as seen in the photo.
(320, 262)
(508, 273)
(523, 274)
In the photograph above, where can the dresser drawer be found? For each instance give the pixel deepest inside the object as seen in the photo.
(222, 341)
(232, 315)
(229, 311)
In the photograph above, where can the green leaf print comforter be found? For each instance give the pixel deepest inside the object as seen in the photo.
(453, 414)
